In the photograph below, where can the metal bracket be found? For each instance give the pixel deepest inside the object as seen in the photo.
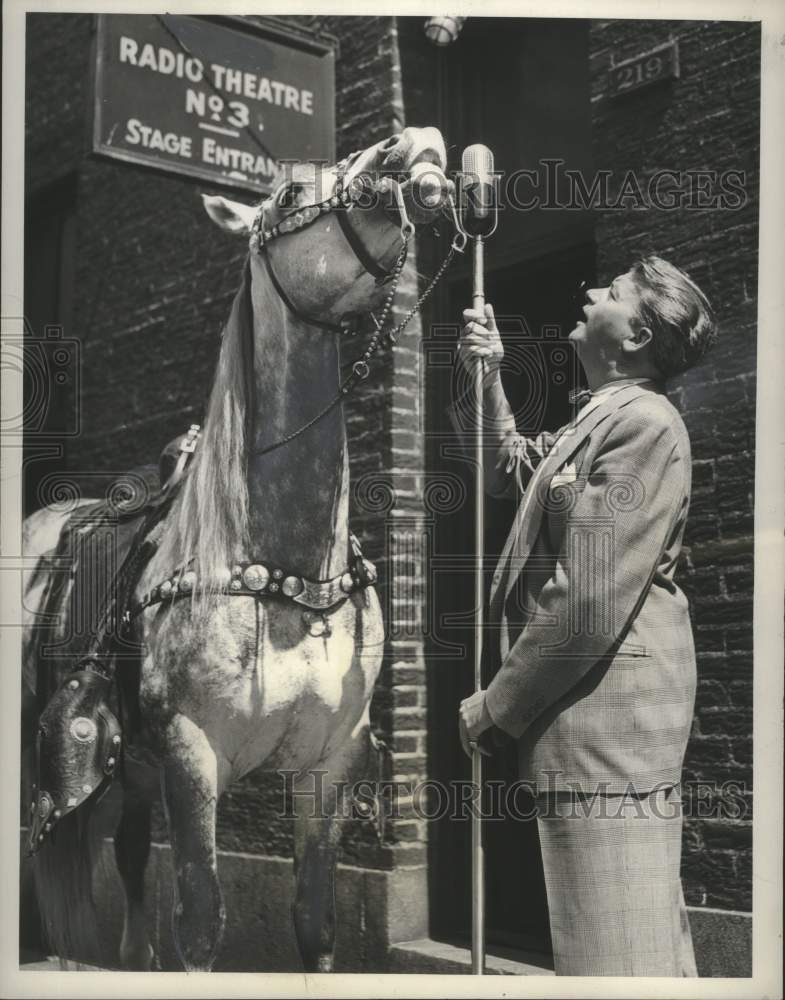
(461, 237)
(191, 439)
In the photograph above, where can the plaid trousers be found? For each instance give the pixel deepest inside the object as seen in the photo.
(612, 874)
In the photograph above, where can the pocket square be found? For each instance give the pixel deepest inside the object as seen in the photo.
(566, 475)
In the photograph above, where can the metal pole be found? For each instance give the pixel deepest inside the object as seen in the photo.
(478, 857)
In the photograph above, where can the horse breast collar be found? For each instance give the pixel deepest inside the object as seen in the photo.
(262, 580)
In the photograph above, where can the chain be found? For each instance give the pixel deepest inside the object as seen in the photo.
(361, 368)
(393, 334)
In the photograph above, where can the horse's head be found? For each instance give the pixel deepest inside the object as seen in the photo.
(331, 234)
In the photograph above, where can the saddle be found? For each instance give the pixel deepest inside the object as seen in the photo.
(101, 553)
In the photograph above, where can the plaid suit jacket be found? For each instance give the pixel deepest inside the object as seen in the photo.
(597, 672)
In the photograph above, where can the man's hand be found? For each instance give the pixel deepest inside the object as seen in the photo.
(473, 719)
(480, 339)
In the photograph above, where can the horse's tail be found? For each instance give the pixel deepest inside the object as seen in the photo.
(63, 874)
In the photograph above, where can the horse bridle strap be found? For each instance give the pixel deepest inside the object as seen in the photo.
(360, 252)
(303, 317)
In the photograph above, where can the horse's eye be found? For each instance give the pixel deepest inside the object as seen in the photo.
(288, 197)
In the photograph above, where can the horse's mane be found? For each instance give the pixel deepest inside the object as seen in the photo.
(209, 523)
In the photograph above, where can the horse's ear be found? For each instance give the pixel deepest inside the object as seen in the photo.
(232, 216)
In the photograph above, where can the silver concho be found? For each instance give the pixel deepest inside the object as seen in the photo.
(347, 583)
(292, 586)
(84, 730)
(318, 626)
(255, 577)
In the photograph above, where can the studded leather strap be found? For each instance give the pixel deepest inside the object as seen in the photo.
(259, 580)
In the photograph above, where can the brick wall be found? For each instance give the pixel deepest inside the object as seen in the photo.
(705, 120)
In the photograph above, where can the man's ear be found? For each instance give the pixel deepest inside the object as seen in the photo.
(232, 216)
(639, 339)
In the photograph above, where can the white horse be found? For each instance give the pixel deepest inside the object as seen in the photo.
(230, 683)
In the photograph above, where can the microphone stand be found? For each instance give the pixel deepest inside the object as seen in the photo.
(478, 853)
(477, 163)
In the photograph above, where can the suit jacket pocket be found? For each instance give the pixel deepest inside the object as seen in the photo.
(632, 649)
(564, 477)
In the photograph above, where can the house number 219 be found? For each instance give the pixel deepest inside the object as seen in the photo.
(645, 69)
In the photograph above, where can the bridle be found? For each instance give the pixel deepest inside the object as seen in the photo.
(340, 203)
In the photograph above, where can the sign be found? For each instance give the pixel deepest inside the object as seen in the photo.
(651, 67)
(216, 98)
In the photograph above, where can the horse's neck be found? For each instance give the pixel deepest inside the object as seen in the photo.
(298, 493)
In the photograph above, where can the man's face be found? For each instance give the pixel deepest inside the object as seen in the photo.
(609, 314)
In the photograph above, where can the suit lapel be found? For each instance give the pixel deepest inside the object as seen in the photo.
(529, 516)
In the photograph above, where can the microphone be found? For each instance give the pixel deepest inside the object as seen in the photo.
(478, 204)
(478, 209)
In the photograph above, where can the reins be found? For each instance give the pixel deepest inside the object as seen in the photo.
(341, 203)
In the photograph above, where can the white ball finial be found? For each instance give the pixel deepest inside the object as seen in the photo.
(443, 30)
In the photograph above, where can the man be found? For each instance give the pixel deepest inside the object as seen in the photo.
(597, 674)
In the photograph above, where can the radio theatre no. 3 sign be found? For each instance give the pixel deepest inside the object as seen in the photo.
(211, 100)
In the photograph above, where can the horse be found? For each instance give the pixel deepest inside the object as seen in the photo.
(232, 682)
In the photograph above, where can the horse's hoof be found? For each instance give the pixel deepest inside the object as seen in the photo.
(138, 959)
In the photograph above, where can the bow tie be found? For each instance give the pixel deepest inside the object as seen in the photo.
(579, 397)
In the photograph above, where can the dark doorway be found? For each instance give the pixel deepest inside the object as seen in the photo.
(521, 87)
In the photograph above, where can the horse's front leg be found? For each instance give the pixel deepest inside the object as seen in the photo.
(191, 783)
(320, 801)
(132, 850)
(316, 840)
